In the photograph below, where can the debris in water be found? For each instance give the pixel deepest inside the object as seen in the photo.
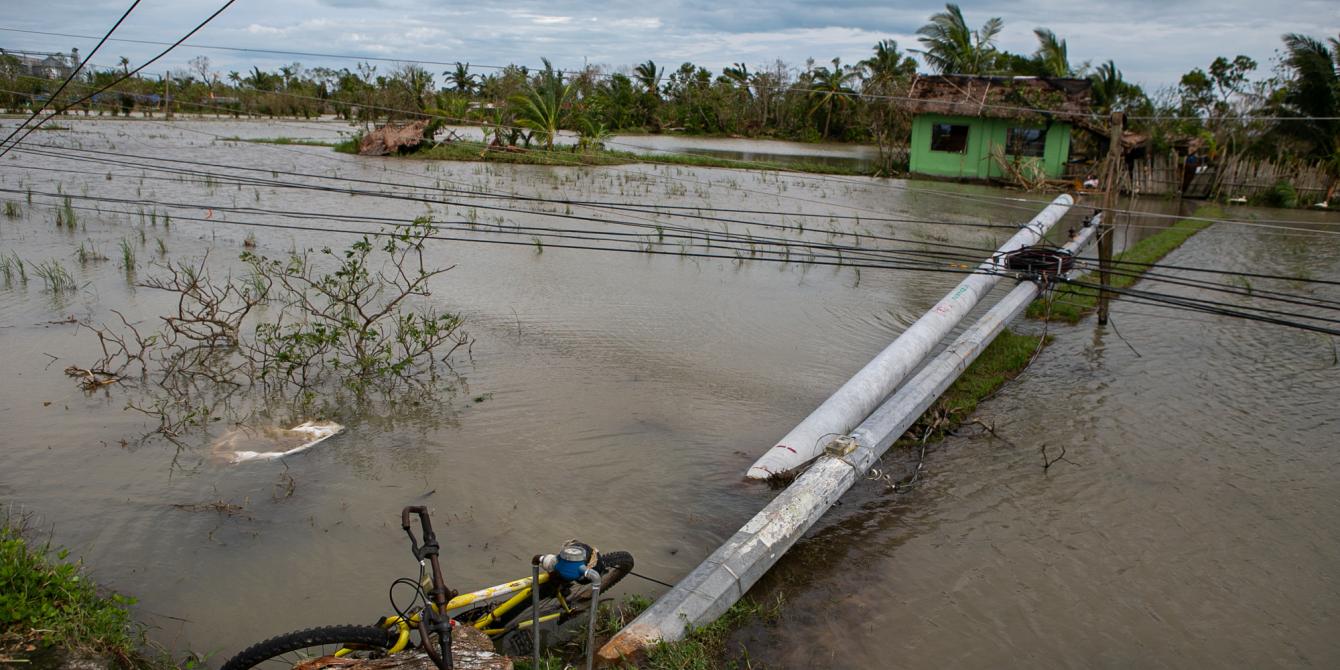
(268, 444)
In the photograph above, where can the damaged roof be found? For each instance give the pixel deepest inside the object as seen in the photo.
(1031, 98)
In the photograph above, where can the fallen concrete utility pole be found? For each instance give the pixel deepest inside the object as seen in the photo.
(864, 391)
(725, 576)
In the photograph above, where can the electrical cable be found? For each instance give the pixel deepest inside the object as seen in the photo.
(73, 74)
(1009, 201)
(124, 77)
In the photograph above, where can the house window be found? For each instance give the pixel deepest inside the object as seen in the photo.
(949, 137)
(1026, 142)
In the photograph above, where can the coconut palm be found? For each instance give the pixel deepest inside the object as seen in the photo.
(830, 90)
(461, 80)
(1312, 92)
(650, 77)
(886, 65)
(543, 105)
(953, 48)
(1051, 54)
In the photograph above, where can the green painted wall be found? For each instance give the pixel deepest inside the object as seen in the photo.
(975, 162)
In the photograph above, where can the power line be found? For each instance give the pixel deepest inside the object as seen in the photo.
(1137, 297)
(127, 75)
(72, 75)
(465, 194)
(1008, 201)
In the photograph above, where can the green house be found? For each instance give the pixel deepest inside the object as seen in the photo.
(967, 127)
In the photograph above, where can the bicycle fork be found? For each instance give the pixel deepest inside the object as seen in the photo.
(434, 619)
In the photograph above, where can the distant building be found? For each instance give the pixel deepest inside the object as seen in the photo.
(40, 64)
(961, 121)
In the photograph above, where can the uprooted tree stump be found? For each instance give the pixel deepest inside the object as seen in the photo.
(470, 650)
(393, 138)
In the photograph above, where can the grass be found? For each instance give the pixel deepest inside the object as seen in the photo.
(465, 150)
(1072, 303)
(127, 255)
(11, 266)
(705, 648)
(54, 275)
(702, 648)
(48, 602)
(87, 253)
(13, 210)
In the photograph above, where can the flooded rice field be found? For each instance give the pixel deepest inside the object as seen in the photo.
(619, 397)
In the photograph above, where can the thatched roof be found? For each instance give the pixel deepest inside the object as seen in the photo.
(1030, 98)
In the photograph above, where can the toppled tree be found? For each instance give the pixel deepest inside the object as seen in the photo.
(311, 332)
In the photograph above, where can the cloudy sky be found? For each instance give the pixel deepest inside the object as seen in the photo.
(1152, 41)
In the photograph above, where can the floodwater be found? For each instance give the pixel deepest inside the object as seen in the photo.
(619, 397)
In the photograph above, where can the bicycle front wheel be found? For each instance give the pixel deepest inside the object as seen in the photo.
(287, 650)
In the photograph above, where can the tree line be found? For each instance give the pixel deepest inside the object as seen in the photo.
(1229, 104)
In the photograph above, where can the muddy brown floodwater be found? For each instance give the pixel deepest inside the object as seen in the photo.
(619, 397)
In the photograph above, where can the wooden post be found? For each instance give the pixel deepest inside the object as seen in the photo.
(1112, 181)
(167, 95)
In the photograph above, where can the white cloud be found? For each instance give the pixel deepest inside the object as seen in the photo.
(1152, 41)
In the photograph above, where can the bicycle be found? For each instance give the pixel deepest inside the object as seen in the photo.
(568, 582)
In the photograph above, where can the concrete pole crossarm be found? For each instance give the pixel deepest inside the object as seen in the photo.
(866, 389)
(726, 575)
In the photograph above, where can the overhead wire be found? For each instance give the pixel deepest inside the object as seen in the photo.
(73, 73)
(863, 251)
(38, 149)
(127, 75)
(1013, 202)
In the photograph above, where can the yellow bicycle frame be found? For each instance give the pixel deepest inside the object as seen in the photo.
(519, 590)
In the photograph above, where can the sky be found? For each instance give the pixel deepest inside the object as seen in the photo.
(1153, 42)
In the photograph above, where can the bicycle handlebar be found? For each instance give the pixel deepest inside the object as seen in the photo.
(429, 538)
(437, 619)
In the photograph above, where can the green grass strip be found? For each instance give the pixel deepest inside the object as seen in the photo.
(47, 601)
(1072, 303)
(467, 150)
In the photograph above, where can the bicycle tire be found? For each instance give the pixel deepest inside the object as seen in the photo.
(284, 651)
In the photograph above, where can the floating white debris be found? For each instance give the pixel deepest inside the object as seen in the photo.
(267, 444)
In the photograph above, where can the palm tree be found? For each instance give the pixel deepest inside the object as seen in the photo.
(1107, 87)
(125, 64)
(650, 78)
(543, 106)
(1051, 54)
(461, 79)
(417, 83)
(886, 65)
(738, 76)
(1313, 92)
(830, 90)
(952, 48)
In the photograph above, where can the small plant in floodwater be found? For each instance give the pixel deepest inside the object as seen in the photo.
(13, 210)
(87, 253)
(11, 266)
(162, 247)
(539, 246)
(67, 209)
(54, 275)
(127, 255)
